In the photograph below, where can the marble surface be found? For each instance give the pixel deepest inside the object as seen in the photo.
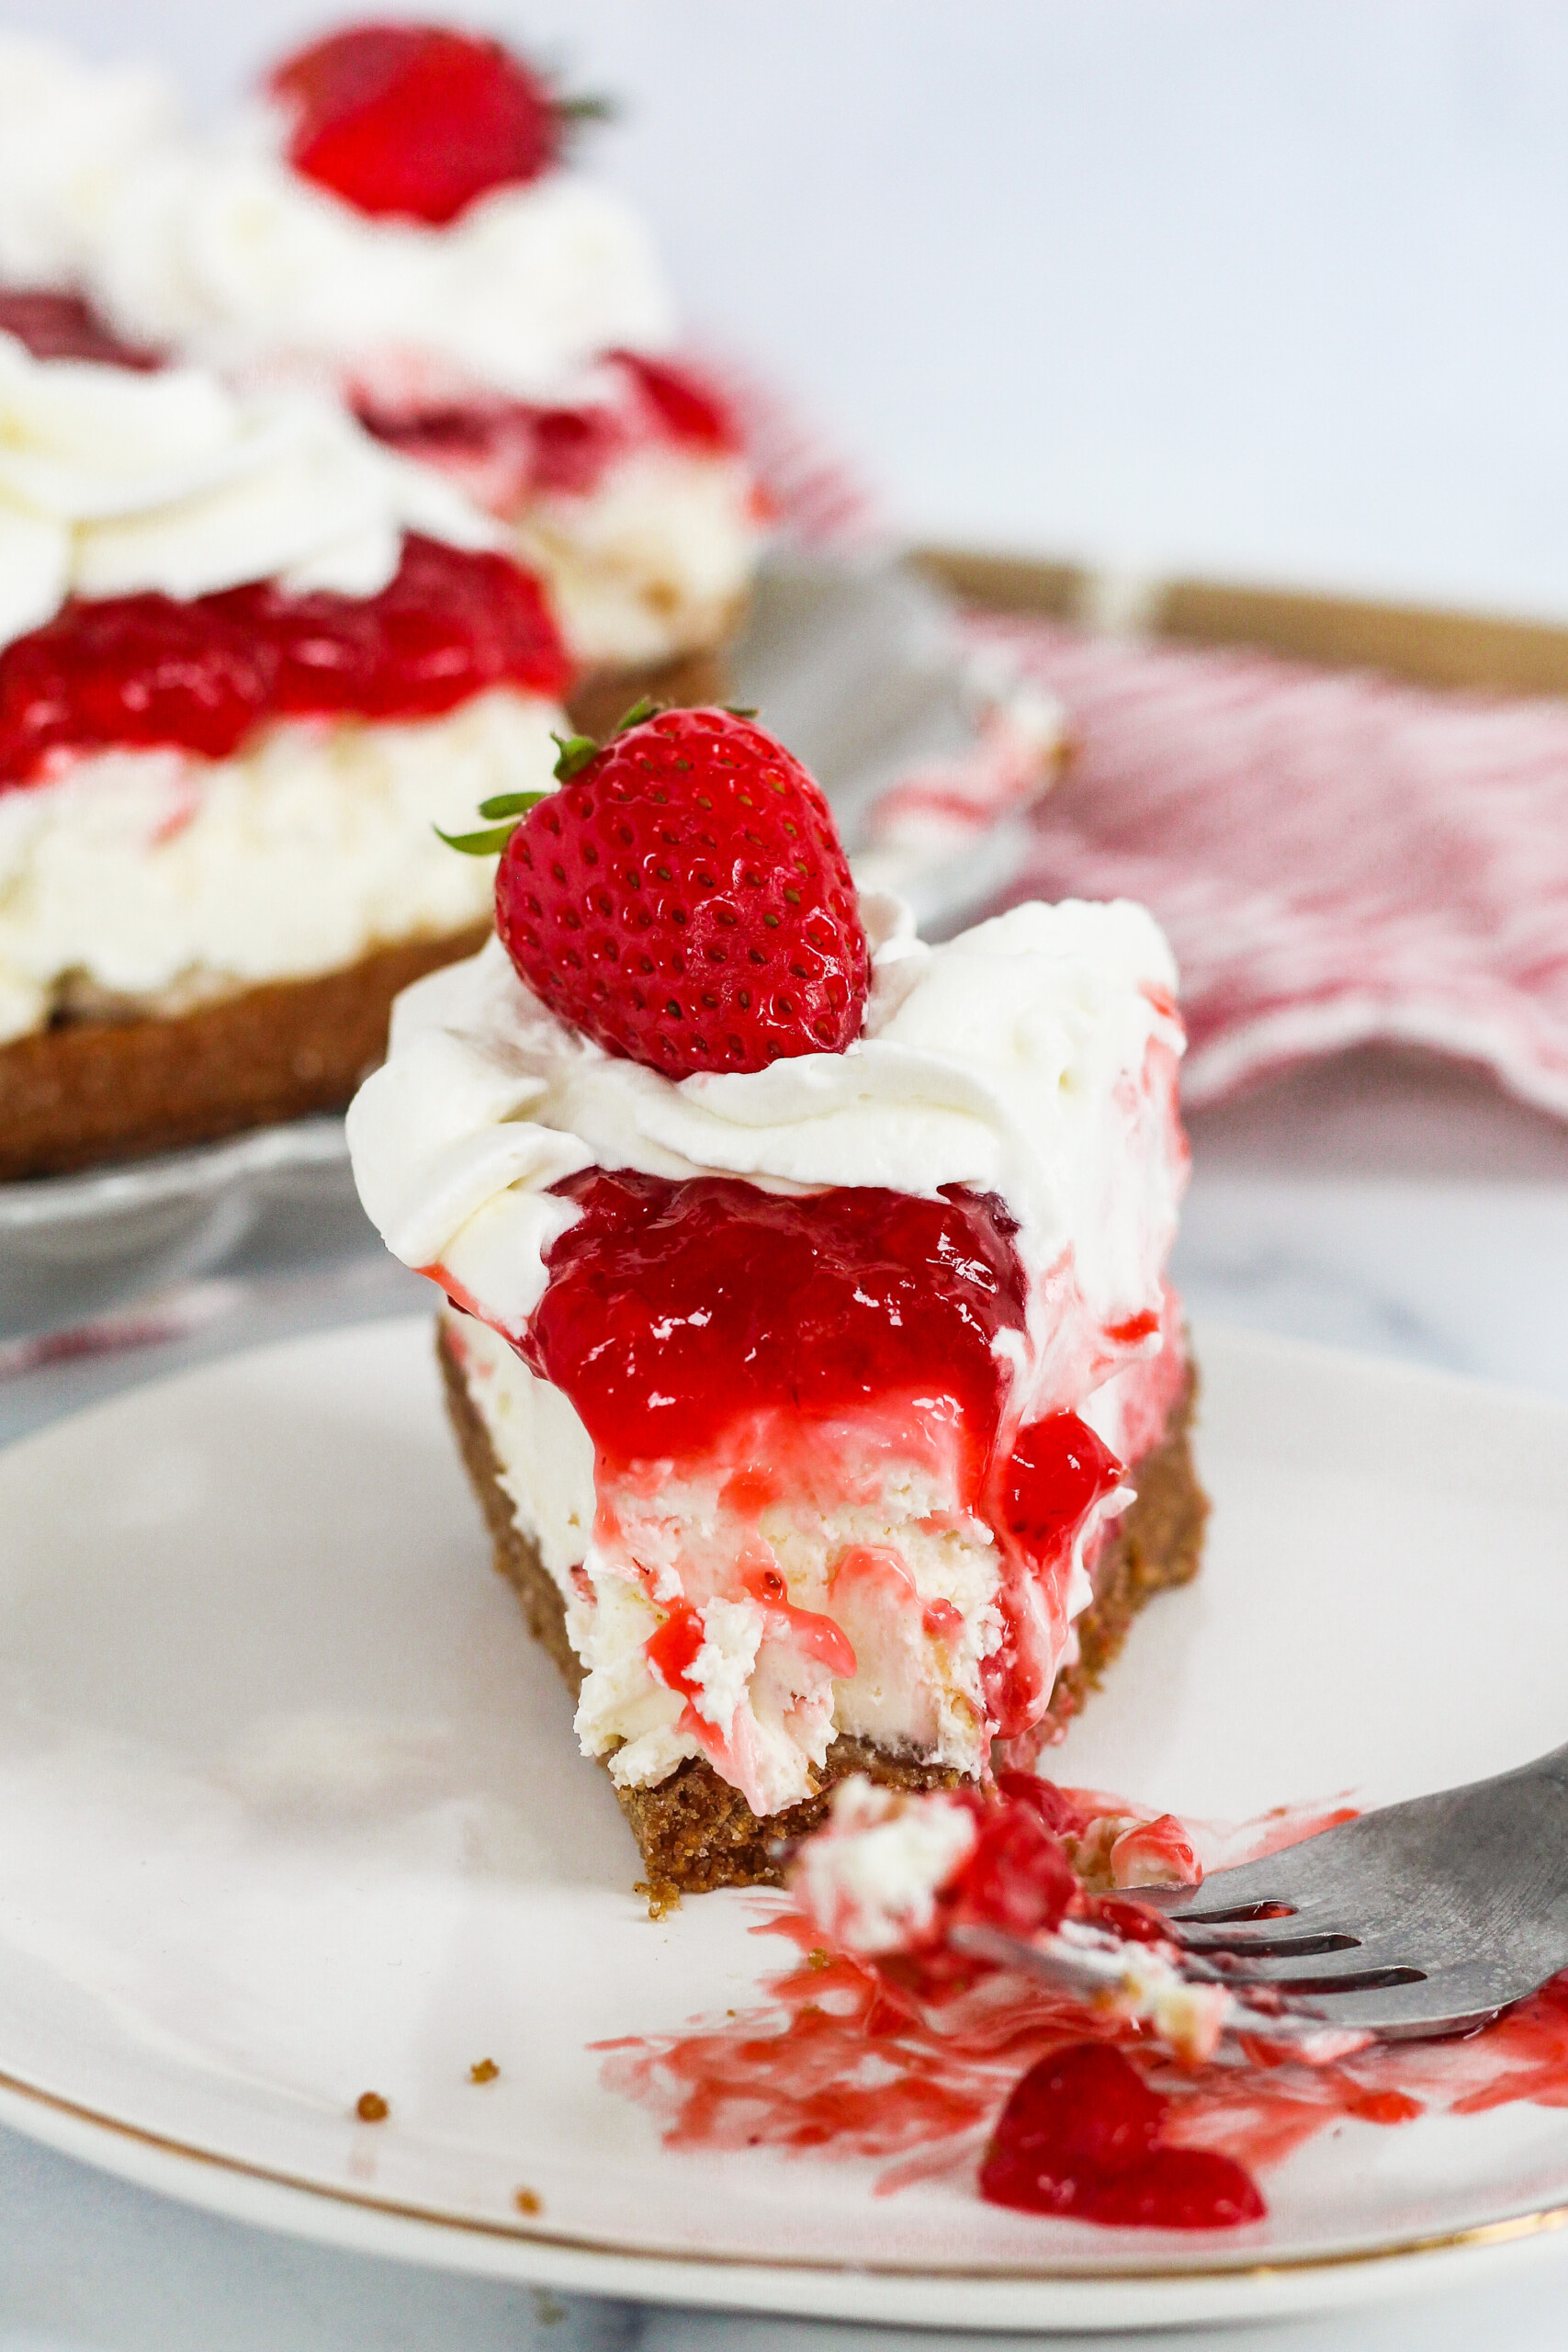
(1384, 1203)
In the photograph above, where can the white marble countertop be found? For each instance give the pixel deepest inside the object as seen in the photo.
(1382, 1203)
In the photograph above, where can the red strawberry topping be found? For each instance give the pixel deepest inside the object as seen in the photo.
(416, 119)
(686, 901)
(205, 674)
(1083, 2135)
(62, 326)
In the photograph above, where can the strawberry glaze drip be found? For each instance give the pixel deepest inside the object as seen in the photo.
(205, 674)
(1058, 1472)
(706, 1321)
(62, 326)
(506, 452)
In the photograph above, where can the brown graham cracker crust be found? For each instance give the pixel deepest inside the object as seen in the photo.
(87, 1091)
(695, 1830)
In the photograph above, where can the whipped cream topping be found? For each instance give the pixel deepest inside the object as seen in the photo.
(219, 249)
(113, 481)
(1033, 1056)
(149, 881)
(70, 136)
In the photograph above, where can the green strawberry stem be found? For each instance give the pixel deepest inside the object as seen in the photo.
(486, 844)
(576, 751)
(510, 804)
(589, 107)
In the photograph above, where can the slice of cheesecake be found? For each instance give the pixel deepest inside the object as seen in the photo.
(808, 1338)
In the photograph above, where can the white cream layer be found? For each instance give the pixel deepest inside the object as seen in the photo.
(654, 562)
(153, 879)
(70, 135)
(113, 481)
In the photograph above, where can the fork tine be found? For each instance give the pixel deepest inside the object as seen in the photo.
(1452, 2001)
(1310, 1974)
(1306, 1879)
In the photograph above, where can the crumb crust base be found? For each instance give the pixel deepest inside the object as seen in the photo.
(82, 1092)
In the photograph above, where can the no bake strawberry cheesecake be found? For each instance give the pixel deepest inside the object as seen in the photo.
(249, 660)
(397, 218)
(808, 1336)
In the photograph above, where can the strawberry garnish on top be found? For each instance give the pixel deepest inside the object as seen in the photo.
(684, 899)
(419, 119)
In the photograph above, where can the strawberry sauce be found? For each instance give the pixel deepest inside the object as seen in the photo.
(203, 675)
(506, 452)
(1082, 2135)
(802, 1345)
(52, 325)
(940, 2069)
(678, 1312)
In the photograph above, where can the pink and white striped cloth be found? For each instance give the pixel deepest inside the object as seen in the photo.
(1335, 857)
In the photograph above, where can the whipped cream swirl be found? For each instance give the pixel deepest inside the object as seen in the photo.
(221, 251)
(113, 481)
(1033, 1056)
(70, 139)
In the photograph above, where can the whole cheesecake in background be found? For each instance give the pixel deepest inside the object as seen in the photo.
(808, 1338)
(396, 218)
(249, 660)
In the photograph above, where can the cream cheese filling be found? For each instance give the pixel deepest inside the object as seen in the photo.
(146, 881)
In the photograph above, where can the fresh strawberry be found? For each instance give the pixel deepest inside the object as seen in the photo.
(418, 119)
(684, 899)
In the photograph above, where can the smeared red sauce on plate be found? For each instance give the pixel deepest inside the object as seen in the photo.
(935, 2072)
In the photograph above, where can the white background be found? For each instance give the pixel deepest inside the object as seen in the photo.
(1272, 289)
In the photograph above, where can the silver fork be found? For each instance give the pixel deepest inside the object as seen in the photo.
(1427, 1917)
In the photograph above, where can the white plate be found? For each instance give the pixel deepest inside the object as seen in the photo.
(290, 1808)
